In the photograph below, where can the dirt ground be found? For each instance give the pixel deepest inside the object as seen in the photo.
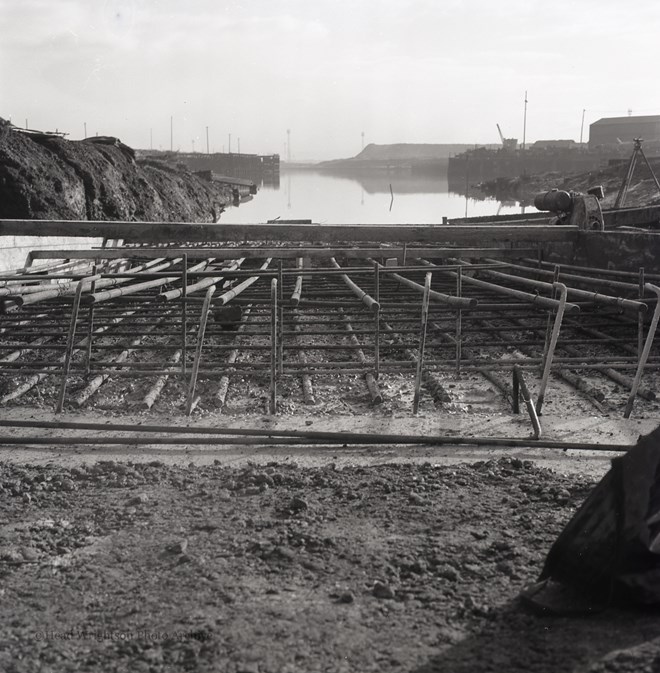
(257, 560)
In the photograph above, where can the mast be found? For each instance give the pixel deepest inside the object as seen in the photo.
(525, 122)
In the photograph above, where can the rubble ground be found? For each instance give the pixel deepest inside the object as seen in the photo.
(146, 566)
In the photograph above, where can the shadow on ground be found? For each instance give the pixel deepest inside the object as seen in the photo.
(515, 639)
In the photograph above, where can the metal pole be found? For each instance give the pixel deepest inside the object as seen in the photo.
(525, 123)
(377, 320)
(273, 346)
(422, 342)
(519, 386)
(553, 342)
(268, 435)
(515, 391)
(208, 151)
(647, 349)
(90, 328)
(198, 351)
(582, 126)
(184, 312)
(459, 320)
(640, 316)
(280, 324)
(70, 340)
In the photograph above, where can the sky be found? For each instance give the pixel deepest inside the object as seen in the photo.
(397, 71)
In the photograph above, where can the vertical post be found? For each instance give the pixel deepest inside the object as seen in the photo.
(198, 351)
(90, 327)
(377, 320)
(273, 346)
(525, 123)
(70, 340)
(459, 320)
(280, 324)
(645, 353)
(551, 347)
(520, 388)
(515, 392)
(184, 311)
(422, 343)
(208, 151)
(548, 325)
(640, 316)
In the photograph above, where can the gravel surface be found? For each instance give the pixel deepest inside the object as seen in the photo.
(120, 566)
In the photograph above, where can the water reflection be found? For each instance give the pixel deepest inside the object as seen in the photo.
(366, 197)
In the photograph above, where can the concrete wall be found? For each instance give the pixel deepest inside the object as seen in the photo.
(625, 251)
(14, 249)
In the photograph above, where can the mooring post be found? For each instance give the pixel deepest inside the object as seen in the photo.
(422, 342)
(70, 339)
(203, 318)
(645, 353)
(563, 291)
(184, 312)
(459, 320)
(273, 346)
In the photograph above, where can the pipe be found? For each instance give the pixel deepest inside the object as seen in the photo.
(262, 436)
(366, 299)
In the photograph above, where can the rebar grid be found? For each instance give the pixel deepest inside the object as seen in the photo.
(189, 317)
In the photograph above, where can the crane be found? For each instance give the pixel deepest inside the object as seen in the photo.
(507, 143)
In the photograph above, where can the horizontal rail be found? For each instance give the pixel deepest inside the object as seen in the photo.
(190, 435)
(157, 232)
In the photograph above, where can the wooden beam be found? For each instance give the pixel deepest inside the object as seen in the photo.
(648, 216)
(162, 232)
(257, 252)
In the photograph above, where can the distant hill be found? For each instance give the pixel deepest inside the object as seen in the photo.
(409, 151)
(410, 157)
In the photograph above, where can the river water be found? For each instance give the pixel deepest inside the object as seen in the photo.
(363, 199)
(375, 198)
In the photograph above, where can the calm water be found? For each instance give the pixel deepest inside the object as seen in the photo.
(305, 194)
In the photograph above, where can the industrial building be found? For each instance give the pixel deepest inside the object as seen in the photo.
(617, 130)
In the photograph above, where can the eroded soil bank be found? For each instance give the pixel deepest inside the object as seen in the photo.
(642, 191)
(43, 176)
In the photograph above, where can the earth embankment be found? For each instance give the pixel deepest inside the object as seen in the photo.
(642, 189)
(45, 176)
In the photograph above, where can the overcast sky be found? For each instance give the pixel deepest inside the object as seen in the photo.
(436, 71)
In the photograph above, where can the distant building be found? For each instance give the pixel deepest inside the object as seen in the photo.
(617, 130)
(554, 144)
